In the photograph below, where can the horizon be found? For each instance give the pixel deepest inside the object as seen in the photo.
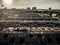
(27, 7)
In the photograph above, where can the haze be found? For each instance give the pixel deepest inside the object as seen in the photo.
(55, 4)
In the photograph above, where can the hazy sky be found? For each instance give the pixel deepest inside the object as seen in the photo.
(35, 3)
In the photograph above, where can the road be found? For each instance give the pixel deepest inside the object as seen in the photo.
(27, 21)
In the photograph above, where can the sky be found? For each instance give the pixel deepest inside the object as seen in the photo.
(44, 4)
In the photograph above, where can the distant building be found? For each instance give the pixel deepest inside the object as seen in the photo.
(50, 8)
(34, 8)
(28, 8)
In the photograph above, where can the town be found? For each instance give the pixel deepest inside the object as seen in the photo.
(29, 26)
